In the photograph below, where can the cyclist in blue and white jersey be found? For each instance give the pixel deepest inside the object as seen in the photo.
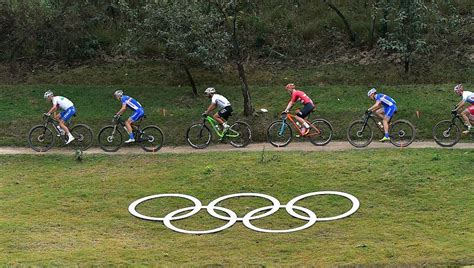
(468, 113)
(67, 108)
(385, 107)
(135, 106)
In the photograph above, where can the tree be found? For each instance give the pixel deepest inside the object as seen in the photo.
(189, 35)
(231, 11)
(350, 32)
(410, 23)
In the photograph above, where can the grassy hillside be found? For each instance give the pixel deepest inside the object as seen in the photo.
(416, 209)
(174, 108)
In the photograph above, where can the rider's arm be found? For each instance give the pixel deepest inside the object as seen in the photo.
(122, 110)
(211, 107)
(53, 109)
(459, 105)
(375, 106)
(288, 107)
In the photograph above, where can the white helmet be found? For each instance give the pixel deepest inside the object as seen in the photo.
(48, 94)
(118, 93)
(210, 90)
(371, 91)
(458, 88)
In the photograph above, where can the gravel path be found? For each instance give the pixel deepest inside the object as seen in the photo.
(296, 146)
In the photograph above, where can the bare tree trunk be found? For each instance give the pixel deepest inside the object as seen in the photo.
(248, 108)
(352, 35)
(190, 78)
(372, 32)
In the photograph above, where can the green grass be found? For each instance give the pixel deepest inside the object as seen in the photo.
(416, 208)
(22, 106)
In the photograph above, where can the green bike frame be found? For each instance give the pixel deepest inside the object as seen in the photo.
(214, 124)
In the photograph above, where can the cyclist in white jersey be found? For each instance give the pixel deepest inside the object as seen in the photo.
(224, 105)
(68, 110)
(468, 113)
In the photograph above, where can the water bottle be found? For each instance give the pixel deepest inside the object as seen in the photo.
(61, 131)
(298, 124)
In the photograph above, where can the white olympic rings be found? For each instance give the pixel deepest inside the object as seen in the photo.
(232, 217)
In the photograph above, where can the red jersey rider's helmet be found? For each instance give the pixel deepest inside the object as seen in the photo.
(290, 86)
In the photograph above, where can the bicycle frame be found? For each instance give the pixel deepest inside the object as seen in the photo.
(290, 117)
(214, 124)
(372, 116)
(50, 120)
(135, 126)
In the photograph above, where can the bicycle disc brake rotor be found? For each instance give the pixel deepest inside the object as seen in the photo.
(41, 138)
(446, 133)
(401, 133)
(110, 139)
(359, 134)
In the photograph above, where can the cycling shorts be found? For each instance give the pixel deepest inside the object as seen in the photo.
(389, 110)
(225, 112)
(471, 109)
(68, 113)
(307, 109)
(139, 113)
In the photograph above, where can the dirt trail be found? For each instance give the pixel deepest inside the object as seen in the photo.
(296, 146)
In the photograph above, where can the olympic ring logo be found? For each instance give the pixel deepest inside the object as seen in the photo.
(232, 217)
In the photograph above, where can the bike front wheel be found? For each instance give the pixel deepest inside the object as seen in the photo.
(151, 139)
(239, 134)
(110, 139)
(446, 133)
(402, 133)
(198, 136)
(359, 134)
(82, 136)
(320, 132)
(279, 134)
(40, 138)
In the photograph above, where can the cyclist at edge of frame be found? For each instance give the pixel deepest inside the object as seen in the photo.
(385, 107)
(225, 108)
(135, 106)
(301, 114)
(468, 113)
(68, 110)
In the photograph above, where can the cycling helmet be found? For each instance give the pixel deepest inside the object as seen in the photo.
(210, 90)
(48, 94)
(290, 86)
(118, 93)
(458, 88)
(371, 91)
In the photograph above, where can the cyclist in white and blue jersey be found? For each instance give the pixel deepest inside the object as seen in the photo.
(68, 110)
(385, 107)
(468, 113)
(135, 106)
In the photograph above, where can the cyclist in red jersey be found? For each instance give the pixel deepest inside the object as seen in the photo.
(298, 95)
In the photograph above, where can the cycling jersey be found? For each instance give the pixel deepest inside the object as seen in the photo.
(299, 95)
(63, 102)
(385, 100)
(131, 103)
(220, 101)
(468, 96)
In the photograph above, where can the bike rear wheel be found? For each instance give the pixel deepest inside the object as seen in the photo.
(320, 132)
(446, 133)
(239, 134)
(279, 133)
(359, 134)
(198, 136)
(40, 138)
(151, 139)
(402, 133)
(110, 139)
(83, 136)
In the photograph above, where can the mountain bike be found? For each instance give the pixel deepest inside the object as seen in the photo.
(447, 133)
(199, 135)
(111, 137)
(42, 137)
(360, 133)
(280, 132)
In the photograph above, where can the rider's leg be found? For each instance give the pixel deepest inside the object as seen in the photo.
(465, 116)
(302, 114)
(128, 126)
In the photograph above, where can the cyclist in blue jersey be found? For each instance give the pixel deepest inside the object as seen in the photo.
(385, 107)
(135, 106)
